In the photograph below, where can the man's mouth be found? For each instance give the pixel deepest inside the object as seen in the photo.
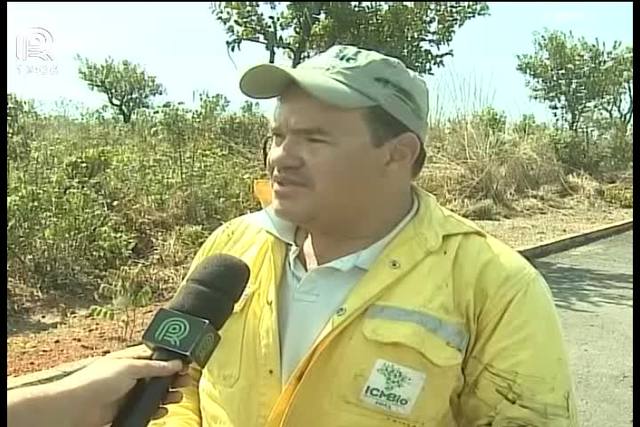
(285, 181)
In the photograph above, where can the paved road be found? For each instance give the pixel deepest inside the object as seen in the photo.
(593, 289)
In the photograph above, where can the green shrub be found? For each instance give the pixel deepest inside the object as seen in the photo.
(97, 204)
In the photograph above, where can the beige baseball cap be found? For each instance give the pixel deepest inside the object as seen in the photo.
(349, 77)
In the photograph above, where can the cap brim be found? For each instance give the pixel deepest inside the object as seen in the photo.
(269, 81)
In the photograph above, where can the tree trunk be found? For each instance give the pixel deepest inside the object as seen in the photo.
(126, 115)
(297, 58)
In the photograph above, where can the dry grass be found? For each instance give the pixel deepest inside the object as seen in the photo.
(481, 173)
(545, 223)
(581, 184)
(485, 174)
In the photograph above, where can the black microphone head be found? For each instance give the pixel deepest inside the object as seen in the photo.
(213, 288)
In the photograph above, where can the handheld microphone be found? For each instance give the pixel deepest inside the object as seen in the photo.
(187, 330)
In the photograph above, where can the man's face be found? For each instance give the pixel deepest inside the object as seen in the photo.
(324, 167)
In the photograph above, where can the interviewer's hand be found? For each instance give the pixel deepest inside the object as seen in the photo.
(92, 396)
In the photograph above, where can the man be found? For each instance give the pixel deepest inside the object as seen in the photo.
(369, 304)
(92, 396)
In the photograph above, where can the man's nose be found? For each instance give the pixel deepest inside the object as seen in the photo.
(285, 155)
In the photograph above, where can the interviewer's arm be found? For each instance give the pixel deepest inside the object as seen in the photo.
(90, 397)
(37, 405)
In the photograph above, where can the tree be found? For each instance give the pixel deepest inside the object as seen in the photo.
(23, 127)
(589, 89)
(618, 92)
(416, 33)
(127, 86)
(577, 77)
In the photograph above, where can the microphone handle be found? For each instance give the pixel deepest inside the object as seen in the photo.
(146, 396)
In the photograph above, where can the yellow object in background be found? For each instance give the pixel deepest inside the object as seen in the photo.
(262, 191)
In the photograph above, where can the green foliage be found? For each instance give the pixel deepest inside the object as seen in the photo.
(617, 94)
(59, 208)
(619, 145)
(416, 33)
(589, 89)
(128, 88)
(575, 77)
(576, 150)
(98, 206)
(127, 292)
(245, 129)
(526, 126)
(22, 127)
(602, 145)
(105, 313)
(491, 120)
(93, 197)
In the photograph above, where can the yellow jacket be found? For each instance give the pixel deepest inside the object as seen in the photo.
(449, 327)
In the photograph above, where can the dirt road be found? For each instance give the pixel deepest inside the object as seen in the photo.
(593, 289)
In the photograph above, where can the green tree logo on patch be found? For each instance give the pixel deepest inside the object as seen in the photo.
(393, 377)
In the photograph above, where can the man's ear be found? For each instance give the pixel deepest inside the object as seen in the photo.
(403, 151)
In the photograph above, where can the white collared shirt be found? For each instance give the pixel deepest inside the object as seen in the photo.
(308, 299)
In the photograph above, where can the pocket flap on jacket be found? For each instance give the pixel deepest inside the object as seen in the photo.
(441, 341)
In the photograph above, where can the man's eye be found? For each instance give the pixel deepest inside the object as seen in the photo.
(317, 140)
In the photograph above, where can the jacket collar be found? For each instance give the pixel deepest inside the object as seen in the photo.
(433, 222)
(428, 227)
